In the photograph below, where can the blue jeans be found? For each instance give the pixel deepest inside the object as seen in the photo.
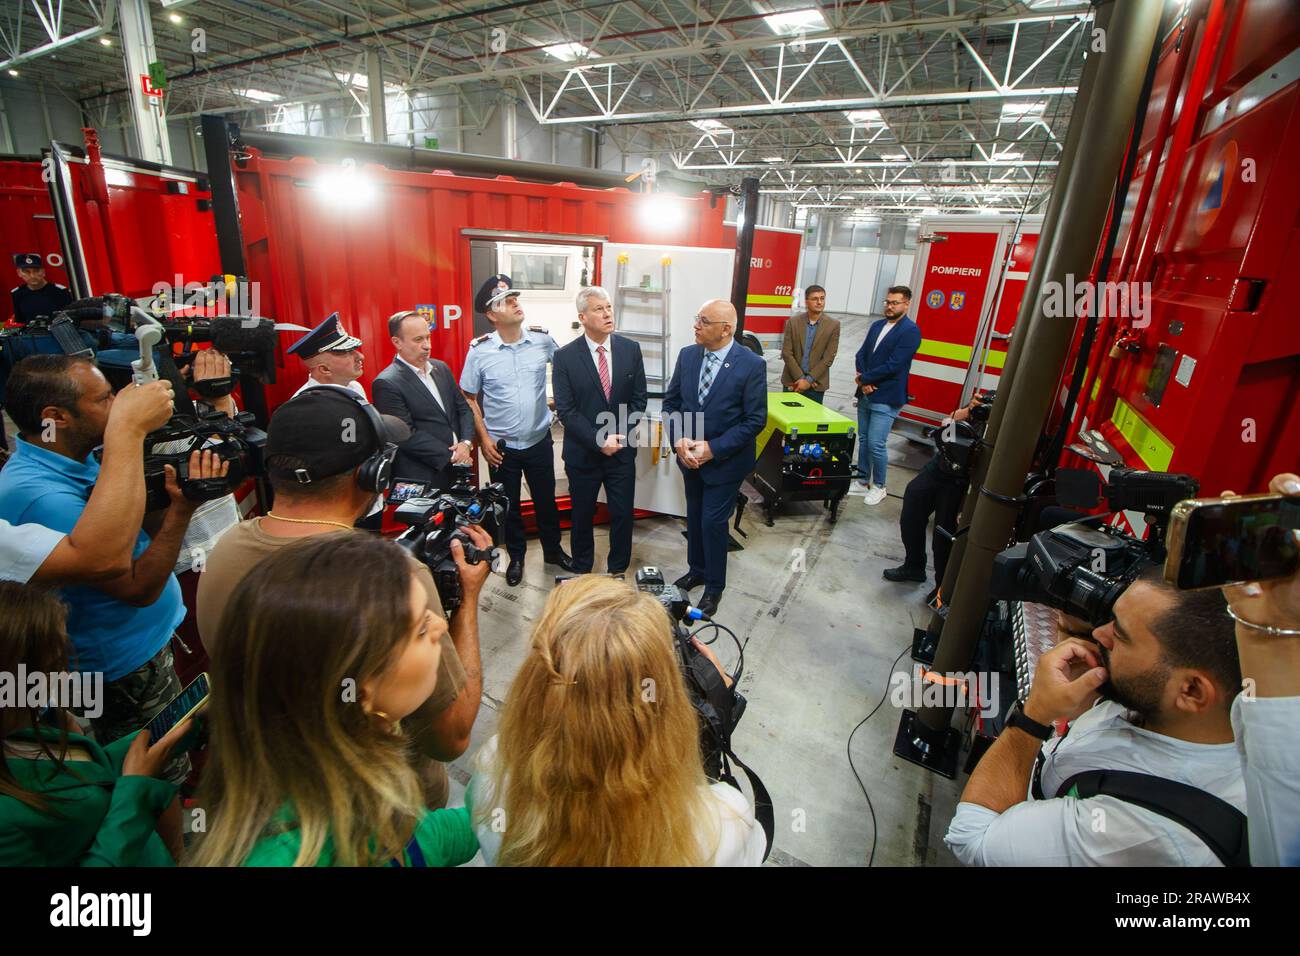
(874, 424)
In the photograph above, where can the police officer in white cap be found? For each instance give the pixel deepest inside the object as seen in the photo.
(36, 295)
(504, 379)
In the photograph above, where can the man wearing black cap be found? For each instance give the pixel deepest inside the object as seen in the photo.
(504, 379)
(36, 295)
(323, 482)
(331, 355)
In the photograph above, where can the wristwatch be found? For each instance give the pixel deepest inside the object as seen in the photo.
(1017, 718)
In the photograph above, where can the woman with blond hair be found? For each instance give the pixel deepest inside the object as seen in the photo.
(315, 667)
(597, 762)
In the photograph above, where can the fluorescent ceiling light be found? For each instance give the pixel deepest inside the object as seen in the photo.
(773, 159)
(262, 96)
(1022, 112)
(711, 125)
(567, 52)
(1008, 156)
(894, 157)
(865, 117)
(795, 21)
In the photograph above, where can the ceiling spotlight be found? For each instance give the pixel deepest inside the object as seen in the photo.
(13, 72)
(105, 41)
(174, 17)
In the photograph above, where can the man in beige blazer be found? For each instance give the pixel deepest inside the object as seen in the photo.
(808, 350)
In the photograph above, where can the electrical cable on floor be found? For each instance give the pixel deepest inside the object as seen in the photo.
(849, 749)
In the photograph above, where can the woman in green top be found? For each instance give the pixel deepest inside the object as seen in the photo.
(65, 800)
(324, 647)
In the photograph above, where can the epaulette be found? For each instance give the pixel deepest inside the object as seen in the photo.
(57, 286)
(16, 288)
(480, 340)
(539, 328)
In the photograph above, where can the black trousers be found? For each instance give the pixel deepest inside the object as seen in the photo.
(537, 464)
(708, 510)
(929, 493)
(618, 475)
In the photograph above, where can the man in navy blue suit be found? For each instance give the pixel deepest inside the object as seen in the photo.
(715, 406)
(599, 379)
(883, 364)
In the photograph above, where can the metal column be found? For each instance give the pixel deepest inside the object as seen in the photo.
(377, 122)
(147, 113)
(746, 219)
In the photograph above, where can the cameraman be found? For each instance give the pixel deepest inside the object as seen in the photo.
(100, 543)
(1266, 714)
(937, 491)
(1152, 696)
(316, 475)
(121, 625)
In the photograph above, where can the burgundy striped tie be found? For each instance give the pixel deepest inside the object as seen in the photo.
(603, 367)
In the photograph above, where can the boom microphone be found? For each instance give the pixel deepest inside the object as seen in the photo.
(247, 334)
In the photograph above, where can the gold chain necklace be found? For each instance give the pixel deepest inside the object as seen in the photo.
(337, 524)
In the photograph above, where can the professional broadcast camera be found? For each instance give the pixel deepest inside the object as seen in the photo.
(433, 523)
(720, 707)
(1083, 567)
(956, 441)
(235, 440)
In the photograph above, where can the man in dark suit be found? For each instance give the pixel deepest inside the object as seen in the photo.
(883, 362)
(600, 394)
(422, 392)
(715, 406)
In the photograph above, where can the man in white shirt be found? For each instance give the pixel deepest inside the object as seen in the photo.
(1267, 711)
(421, 391)
(1167, 667)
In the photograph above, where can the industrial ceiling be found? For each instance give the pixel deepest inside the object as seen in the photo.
(862, 109)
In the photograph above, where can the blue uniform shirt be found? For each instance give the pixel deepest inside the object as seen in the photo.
(46, 488)
(510, 380)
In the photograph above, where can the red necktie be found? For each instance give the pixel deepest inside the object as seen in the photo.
(603, 367)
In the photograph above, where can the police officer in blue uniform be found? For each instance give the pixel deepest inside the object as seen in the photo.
(36, 295)
(504, 379)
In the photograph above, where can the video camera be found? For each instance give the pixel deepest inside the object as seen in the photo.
(956, 441)
(235, 440)
(720, 707)
(433, 523)
(1083, 567)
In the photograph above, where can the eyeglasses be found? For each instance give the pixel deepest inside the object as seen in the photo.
(701, 320)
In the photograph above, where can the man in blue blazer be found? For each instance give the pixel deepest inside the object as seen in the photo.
(883, 364)
(599, 381)
(714, 408)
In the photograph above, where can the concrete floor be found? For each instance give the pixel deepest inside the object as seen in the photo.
(820, 644)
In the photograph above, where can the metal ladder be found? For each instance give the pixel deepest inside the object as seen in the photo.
(655, 384)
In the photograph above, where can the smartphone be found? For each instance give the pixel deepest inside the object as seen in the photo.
(1216, 541)
(183, 705)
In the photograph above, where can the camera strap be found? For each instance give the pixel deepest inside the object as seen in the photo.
(763, 810)
(1219, 825)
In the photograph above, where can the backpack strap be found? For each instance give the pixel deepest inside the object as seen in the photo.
(763, 810)
(1219, 825)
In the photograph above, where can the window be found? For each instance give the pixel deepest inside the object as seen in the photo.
(538, 271)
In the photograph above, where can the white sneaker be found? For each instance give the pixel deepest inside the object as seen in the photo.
(876, 495)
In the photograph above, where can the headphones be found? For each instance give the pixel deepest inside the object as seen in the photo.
(375, 474)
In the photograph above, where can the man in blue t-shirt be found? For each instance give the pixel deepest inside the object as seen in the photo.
(120, 626)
